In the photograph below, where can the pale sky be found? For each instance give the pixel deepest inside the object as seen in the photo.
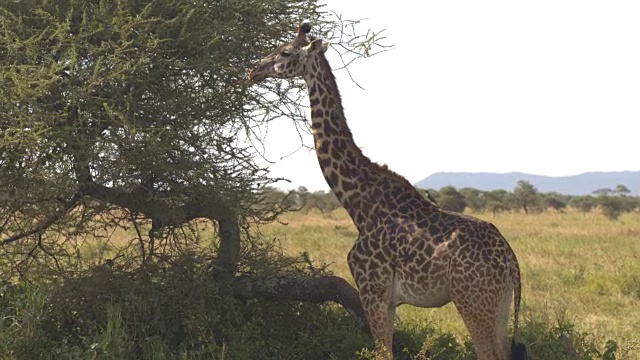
(548, 87)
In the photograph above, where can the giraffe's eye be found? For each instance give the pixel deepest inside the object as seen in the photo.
(285, 53)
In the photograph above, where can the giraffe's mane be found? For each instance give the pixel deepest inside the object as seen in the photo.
(381, 169)
(384, 168)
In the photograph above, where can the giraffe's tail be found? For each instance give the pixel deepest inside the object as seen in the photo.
(518, 349)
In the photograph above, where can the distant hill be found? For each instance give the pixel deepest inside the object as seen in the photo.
(582, 184)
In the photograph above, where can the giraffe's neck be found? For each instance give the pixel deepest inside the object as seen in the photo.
(362, 186)
(341, 160)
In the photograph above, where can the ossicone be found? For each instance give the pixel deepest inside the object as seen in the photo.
(305, 28)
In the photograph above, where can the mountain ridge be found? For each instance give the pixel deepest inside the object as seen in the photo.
(580, 184)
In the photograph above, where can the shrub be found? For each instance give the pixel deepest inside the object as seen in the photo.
(612, 206)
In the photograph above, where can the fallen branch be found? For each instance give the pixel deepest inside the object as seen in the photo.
(315, 290)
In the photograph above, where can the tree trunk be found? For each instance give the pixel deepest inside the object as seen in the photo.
(229, 245)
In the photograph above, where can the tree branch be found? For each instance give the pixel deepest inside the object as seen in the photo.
(316, 290)
(162, 216)
(48, 221)
(158, 211)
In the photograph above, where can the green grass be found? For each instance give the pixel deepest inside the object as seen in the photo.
(580, 267)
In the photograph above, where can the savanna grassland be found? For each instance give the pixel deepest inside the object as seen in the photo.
(581, 292)
(578, 268)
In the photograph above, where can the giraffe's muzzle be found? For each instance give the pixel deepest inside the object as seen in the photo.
(260, 72)
(255, 76)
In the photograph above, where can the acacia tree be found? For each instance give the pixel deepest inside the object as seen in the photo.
(602, 192)
(498, 200)
(621, 190)
(474, 198)
(583, 203)
(450, 199)
(556, 201)
(525, 195)
(612, 206)
(129, 113)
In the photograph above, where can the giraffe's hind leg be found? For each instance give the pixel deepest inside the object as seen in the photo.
(503, 344)
(485, 312)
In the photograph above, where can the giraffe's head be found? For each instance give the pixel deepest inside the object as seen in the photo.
(290, 60)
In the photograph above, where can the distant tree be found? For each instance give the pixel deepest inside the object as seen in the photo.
(292, 201)
(525, 195)
(321, 200)
(634, 203)
(612, 206)
(295, 200)
(582, 203)
(629, 203)
(450, 199)
(475, 198)
(621, 190)
(498, 201)
(330, 202)
(303, 191)
(602, 192)
(271, 195)
(303, 198)
(557, 202)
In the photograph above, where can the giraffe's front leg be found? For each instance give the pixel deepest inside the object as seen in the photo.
(380, 313)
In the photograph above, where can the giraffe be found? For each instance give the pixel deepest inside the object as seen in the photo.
(408, 249)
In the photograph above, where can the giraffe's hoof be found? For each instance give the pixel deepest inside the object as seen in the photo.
(518, 350)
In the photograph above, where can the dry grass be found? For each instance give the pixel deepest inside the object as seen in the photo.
(580, 266)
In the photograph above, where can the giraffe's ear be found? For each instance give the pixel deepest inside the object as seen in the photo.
(315, 46)
(325, 46)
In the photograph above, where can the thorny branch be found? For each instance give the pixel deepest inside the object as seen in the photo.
(46, 223)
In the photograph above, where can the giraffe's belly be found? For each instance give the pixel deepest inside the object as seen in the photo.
(427, 293)
(426, 280)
